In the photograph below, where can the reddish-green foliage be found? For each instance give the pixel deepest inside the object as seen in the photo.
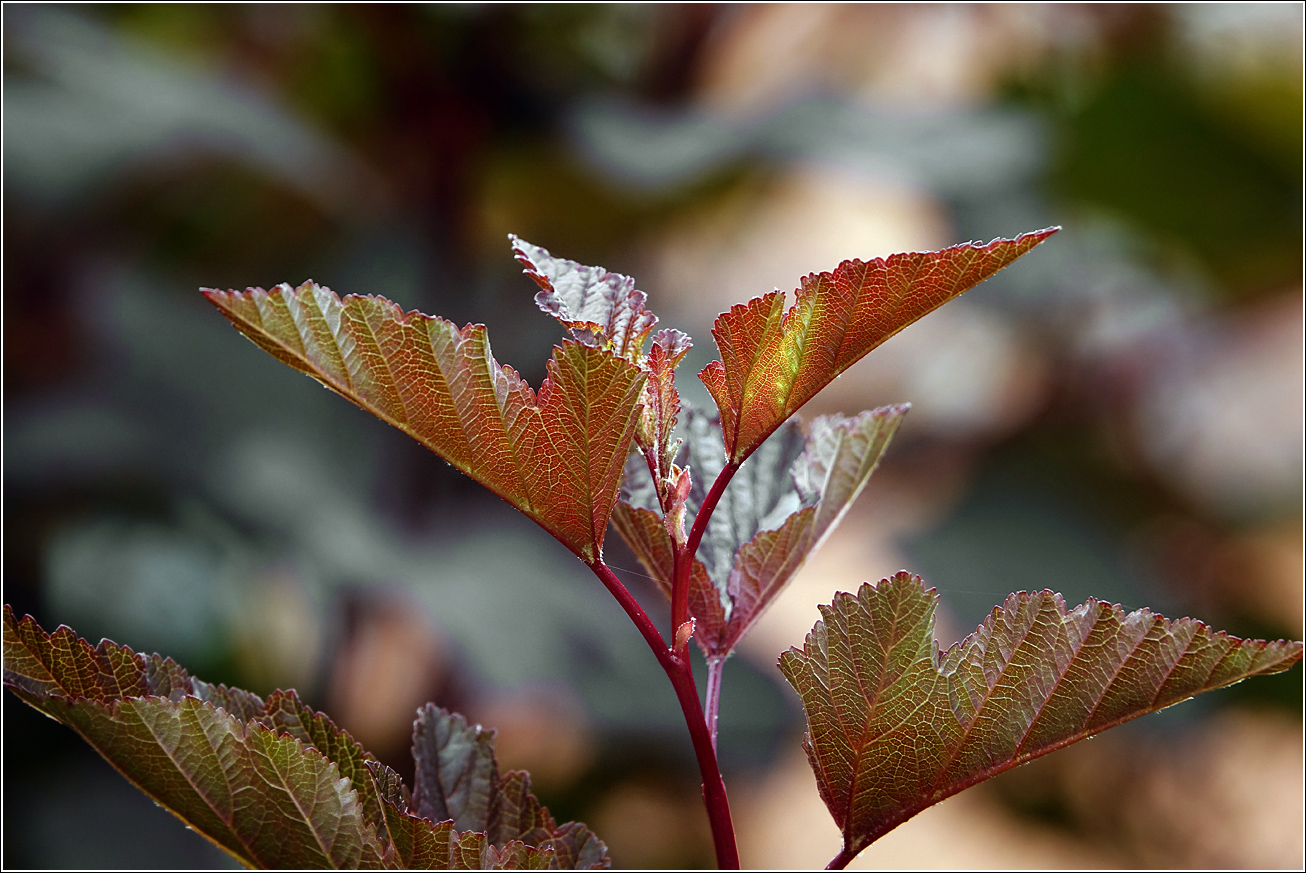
(557, 456)
(773, 361)
(778, 511)
(277, 785)
(893, 725)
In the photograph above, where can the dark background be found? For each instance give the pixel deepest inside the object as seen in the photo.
(1117, 415)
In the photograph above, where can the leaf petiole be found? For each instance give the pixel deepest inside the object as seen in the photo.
(685, 554)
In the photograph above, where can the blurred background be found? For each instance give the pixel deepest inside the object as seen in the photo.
(1119, 414)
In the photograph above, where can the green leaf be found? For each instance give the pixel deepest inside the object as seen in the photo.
(278, 785)
(557, 456)
(778, 509)
(894, 726)
(773, 361)
(285, 713)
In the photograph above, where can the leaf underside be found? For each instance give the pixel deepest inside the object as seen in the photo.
(557, 456)
(895, 726)
(781, 505)
(773, 361)
(277, 785)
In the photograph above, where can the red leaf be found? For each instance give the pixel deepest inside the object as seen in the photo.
(603, 309)
(772, 361)
(558, 458)
(894, 726)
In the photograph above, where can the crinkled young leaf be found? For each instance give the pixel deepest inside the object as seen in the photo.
(600, 308)
(276, 784)
(557, 456)
(604, 310)
(657, 424)
(782, 504)
(647, 536)
(772, 361)
(894, 726)
(762, 493)
(760, 496)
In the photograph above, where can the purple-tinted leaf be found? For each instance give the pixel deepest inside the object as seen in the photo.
(457, 777)
(557, 456)
(760, 496)
(895, 726)
(782, 504)
(773, 361)
(840, 456)
(600, 308)
(518, 815)
(576, 848)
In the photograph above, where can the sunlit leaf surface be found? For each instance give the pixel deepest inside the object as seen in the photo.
(557, 456)
(895, 726)
(276, 784)
(773, 361)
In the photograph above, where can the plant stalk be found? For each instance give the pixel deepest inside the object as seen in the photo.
(840, 861)
(715, 667)
(680, 673)
(685, 556)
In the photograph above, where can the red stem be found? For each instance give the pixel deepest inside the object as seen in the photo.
(685, 556)
(682, 680)
(634, 610)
